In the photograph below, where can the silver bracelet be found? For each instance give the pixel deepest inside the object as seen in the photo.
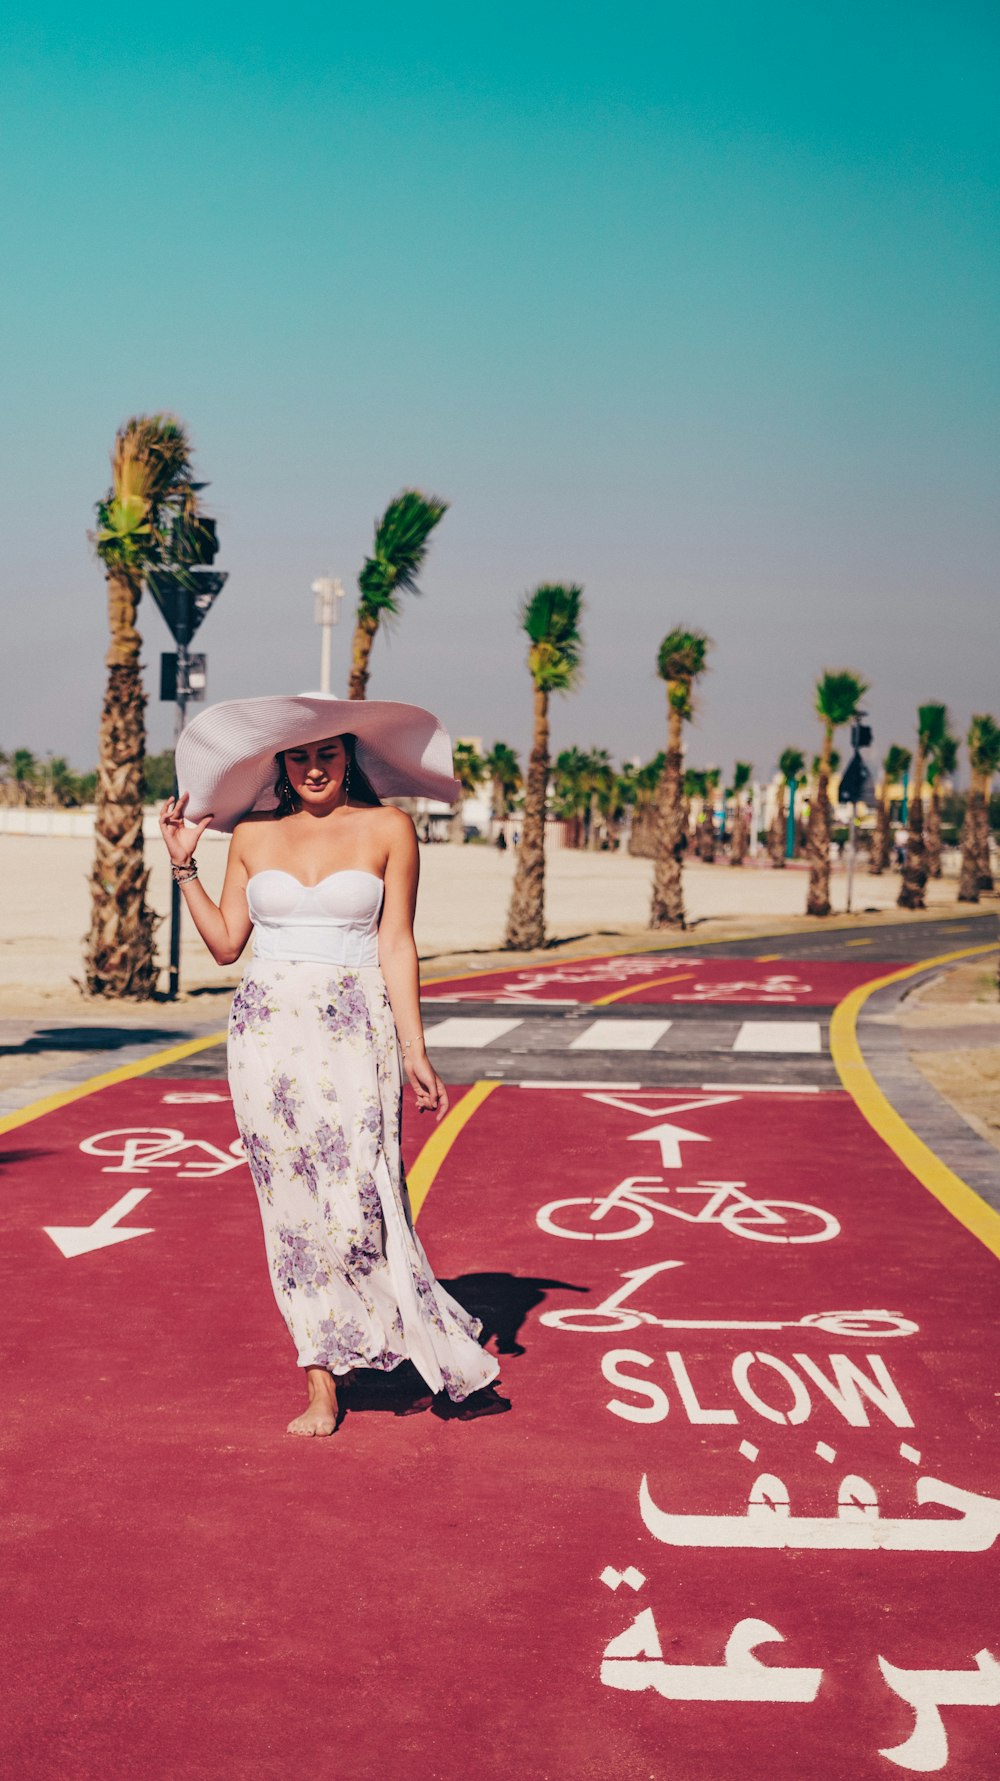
(182, 874)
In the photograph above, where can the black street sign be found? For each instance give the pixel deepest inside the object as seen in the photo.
(187, 683)
(185, 596)
(857, 785)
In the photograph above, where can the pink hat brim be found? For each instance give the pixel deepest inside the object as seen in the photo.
(226, 755)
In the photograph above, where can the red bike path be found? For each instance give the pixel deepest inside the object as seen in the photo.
(681, 977)
(192, 1593)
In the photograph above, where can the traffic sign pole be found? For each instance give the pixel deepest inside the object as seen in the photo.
(184, 596)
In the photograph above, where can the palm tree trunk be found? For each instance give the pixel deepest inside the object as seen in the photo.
(365, 628)
(741, 836)
(968, 884)
(594, 826)
(984, 880)
(667, 909)
(911, 891)
(120, 957)
(880, 842)
(776, 832)
(526, 917)
(934, 835)
(818, 838)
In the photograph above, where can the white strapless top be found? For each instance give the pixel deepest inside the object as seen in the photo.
(334, 922)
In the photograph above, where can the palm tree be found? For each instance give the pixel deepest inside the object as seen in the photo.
(642, 840)
(838, 695)
(741, 816)
(398, 555)
(25, 769)
(707, 831)
(551, 618)
(599, 781)
(790, 764)
(152, 503)
(570, 794)
(682, 659)
(932, 725)
(504, 772)
(470, 771)
(941, 765)
(984, 760)
(896, 763)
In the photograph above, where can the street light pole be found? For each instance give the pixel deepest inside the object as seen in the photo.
(329, 592)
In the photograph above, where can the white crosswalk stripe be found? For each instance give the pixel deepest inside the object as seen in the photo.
(778, 1035)
(620, 1035)
(468, 1032)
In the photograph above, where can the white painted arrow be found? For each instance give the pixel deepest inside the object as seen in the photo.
(669, 1138)
(76, 1239)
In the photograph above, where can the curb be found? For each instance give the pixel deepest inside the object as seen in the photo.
(930, 1138)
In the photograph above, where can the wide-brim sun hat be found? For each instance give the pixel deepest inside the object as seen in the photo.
(226, 757)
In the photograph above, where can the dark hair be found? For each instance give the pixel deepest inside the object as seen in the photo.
(361, 789)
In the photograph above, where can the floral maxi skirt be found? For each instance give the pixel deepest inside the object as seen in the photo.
(314, 1072)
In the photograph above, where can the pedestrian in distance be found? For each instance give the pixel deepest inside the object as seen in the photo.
(326, 1020)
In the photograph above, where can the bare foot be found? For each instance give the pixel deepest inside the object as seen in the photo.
(320, 1415)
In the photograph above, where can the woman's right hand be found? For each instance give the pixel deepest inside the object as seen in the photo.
(181, 838)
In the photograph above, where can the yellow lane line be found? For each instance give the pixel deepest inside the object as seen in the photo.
(421, 1175)
(633, 989)
(930, 1171)
(124, 1073)
(859, 942)
(768, 958)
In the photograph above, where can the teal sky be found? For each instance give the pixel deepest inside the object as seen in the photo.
(696, 305)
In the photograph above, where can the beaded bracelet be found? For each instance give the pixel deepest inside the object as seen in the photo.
(183, 874)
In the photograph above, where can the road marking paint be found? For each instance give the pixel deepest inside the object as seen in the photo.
(124, 1073)
(420, 1175)
(468, 1032)
(767, 958)
(859, 942)
(620, 1035)
(766, 1088)
(565, 1082)
(929, 1170)
(778, 1035)
(619, 995)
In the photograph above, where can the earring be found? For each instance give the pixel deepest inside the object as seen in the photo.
(347, 781)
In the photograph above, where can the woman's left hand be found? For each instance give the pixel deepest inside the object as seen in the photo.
(429, 1091)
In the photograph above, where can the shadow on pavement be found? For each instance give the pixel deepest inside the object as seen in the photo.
(88, 1039)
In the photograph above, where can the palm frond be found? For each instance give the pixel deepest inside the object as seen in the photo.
(932, 726)
(897, 761)
(839, 692)
(551, 617)
(683, 655)
(790, 763)
(398, 552)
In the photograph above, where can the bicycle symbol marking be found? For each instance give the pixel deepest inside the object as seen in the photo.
(142, 1148)
(629, 1210)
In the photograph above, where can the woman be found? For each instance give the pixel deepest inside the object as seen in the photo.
(325, 879)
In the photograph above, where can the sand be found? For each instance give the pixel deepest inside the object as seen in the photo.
(593, 901)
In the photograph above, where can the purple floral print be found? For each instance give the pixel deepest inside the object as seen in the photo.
(299, 1266)
(250, 1007)
(284, 1105)
(345, 1012)
(304, 1166)
(259, 1154)
(331, 1148)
